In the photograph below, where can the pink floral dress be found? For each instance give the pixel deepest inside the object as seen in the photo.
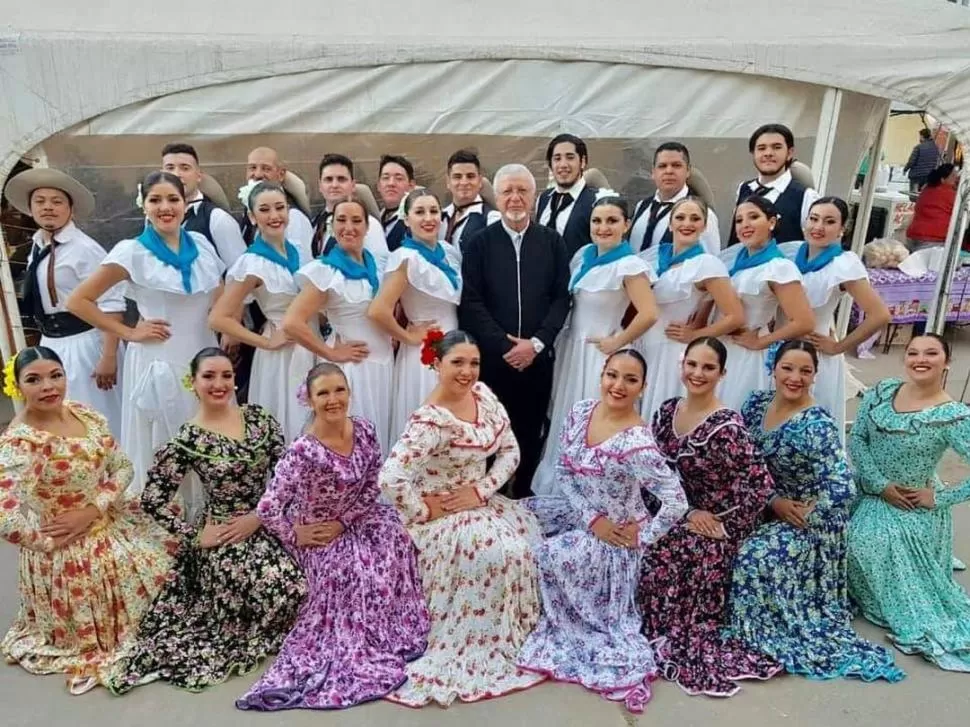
(477, 566)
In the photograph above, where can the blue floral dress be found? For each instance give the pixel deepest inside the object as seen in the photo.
(899, 561)
(589, 632)
(788, 592)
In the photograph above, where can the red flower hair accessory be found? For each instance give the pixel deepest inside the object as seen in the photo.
(428, 353)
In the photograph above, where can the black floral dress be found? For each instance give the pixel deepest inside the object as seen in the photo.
(224, 609)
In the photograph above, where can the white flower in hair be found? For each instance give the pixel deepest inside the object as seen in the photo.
(245, 191)
(140, 199)
(602, 193)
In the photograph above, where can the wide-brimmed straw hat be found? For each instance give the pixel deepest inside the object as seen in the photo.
(214, 192)
(296, 187)
(20, 187)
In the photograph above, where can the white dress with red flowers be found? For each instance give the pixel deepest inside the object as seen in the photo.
(477, 566)
(428, 298)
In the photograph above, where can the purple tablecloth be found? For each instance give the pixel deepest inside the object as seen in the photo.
(909, 299)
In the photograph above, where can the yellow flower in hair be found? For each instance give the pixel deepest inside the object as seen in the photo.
(187, 381)
(10, 387)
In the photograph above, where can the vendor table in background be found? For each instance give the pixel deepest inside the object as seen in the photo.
(909, 299)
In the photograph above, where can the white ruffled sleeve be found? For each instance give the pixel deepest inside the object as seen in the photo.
(147, 271)
(612, 275)
(781, 271)
(327, 278)
(424, 276)
(274, 277)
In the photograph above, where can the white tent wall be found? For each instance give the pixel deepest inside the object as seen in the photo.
(427, 111)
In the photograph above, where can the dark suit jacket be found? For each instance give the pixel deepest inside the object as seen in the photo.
(576, 233)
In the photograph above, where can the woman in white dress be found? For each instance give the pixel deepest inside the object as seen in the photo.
(424, 275)
(61, 256)
(342, 283)
(687, 278)
(768, 284)
(173, 276)
(828, 272)
(606, 277)
(265, 273)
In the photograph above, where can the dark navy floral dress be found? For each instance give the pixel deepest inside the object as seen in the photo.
(788, 597)
(685, 577)
(224, 609)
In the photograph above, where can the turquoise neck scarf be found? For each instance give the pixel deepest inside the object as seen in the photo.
(592, 259)
(182, 261)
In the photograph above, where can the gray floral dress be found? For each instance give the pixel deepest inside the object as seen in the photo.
(223, 609)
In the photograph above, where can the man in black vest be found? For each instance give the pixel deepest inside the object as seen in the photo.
(201, 214)
(772, 147)
(264, 163)
(336, 184)
(651, 217)
(566, 207)
(515, 299)
(395, 178)
(468, 212)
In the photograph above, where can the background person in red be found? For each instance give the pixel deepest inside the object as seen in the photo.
(931, 219)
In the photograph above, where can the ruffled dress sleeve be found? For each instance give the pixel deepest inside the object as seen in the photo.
(273, 277)
(368, 491)
(868, 474)
(612, 275)
(118, 469)
(171, 464)
(424, 438)
(957, 434)
(424, 276)
(507, 452)
(19, 467)
(147, 271)
(659, 480)
(275, 508)
(327, 279)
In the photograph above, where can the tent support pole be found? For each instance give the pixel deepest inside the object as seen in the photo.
(828, 122)
(864, 213)
(11, 327)
(936, 319)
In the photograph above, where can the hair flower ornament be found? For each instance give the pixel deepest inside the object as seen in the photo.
(245, 191)
(303, 395)
(140, 199)
(605, 193)
(187, 381)
(428, 349)
(10, 387)
(402, 213)
(771, 355)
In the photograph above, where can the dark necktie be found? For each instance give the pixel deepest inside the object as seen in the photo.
(32, 297)
(761, 191)
(559, 202)
(321, 233)
(455, 219)
(658, 210)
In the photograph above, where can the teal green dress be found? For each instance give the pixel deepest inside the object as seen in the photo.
(789, 597)
(900, 560)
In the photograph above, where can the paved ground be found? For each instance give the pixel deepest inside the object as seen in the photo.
(928, 695)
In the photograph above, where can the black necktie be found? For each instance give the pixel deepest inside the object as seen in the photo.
(761, 191)
(455, 219)
(32, 299)
(559, 202)
(658, 210)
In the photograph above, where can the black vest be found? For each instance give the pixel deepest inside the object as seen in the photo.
(640, 211)
(396, 236)
(474, 222)
(789, 206)
(198, 220)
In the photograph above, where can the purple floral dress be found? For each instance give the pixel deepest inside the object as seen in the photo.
(589, 632)
(365, 616)
(685, 578)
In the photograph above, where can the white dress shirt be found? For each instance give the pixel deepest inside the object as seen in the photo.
(778, 186)
(710, 238)
(76, 258)
(475, 207)
(299, 232)
(563, 219)
(226, 235)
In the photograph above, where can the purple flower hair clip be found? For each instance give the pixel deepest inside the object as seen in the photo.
(303, 396)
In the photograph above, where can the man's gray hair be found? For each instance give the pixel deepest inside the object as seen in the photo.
(513, 170)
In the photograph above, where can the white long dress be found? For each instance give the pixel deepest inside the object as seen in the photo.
(76, 258)
(823, 289)
(369, 380)
(746, 370)
(276, 375)
(599, 302)
(677, 298)
(156, 403)
(429, 297)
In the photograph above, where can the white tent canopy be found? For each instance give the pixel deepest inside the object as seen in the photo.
(63, 62)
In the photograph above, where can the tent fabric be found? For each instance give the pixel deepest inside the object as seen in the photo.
(62, 63)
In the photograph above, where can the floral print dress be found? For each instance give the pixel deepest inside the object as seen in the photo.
(365, 616)
(225, 608)
(589, 632)
(78, 603)
(477, 567)
(899, 560)
(788, 594)
(685, 577)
